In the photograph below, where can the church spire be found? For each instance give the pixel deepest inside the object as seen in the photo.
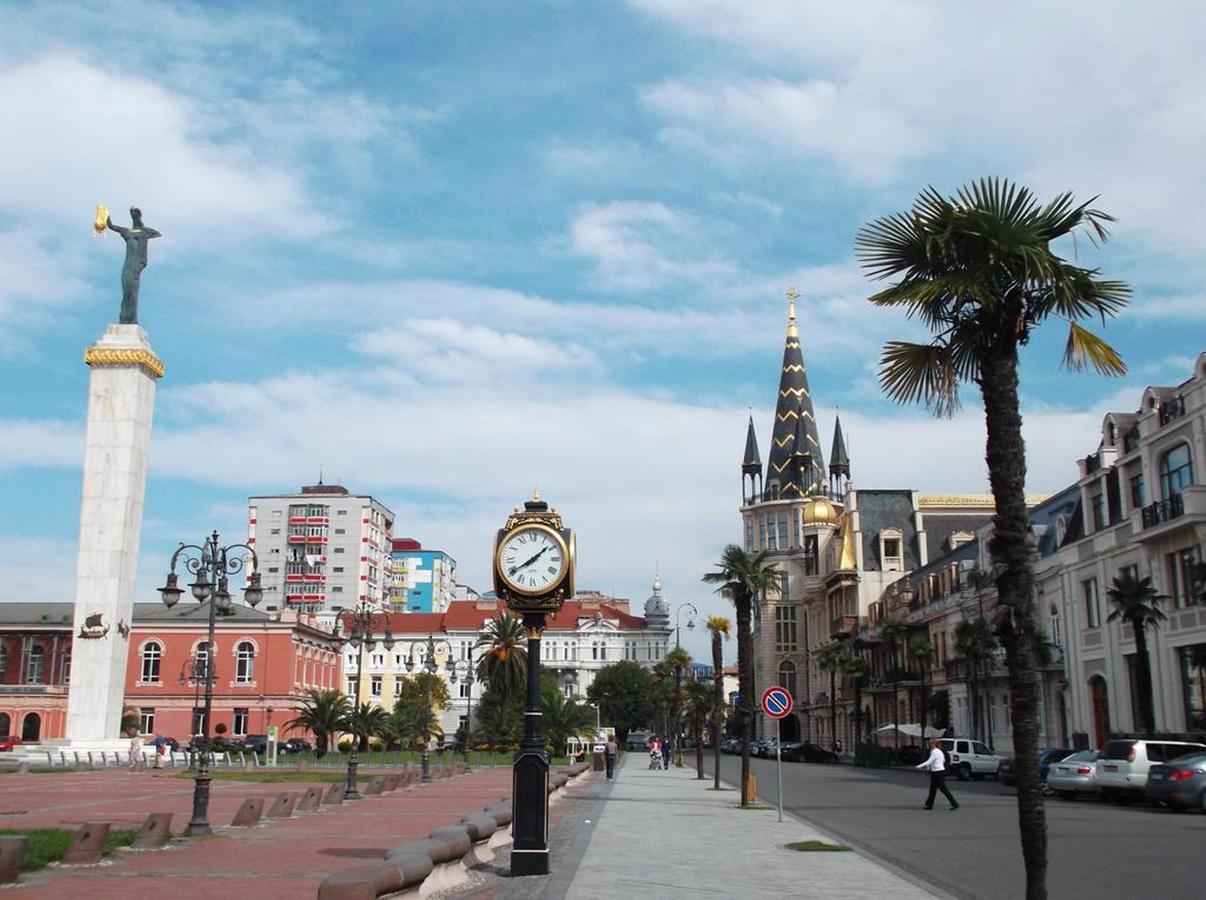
(751, 467)
(839, 462)
(794, 423)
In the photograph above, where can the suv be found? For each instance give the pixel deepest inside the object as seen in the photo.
(969, 759)
(1122, 765)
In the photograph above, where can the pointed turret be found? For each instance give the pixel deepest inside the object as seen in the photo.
(794, 421)
(752, 461)
(839, 463)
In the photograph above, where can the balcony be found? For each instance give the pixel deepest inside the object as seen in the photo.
(1172, 408)
(1163, 511)
(843, 625)
(1180, 512)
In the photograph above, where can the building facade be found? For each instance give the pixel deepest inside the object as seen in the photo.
(322, 548)
(420, 580)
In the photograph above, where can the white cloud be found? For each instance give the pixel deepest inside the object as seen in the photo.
(745, 198)
(37, 569)
(35, 443)
(36, 280)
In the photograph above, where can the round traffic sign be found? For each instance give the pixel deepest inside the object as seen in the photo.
(776, 702)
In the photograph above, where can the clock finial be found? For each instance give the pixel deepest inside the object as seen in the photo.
(535, 493)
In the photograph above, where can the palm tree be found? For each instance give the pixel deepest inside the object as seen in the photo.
(745, 579)
(718, 627)
(855, 668)
(365, 721)
(921, 651)
(679, 660)
(981, 271)
(564, 718)
(974, 645)
(699, 707)
(831, 658)
(504, 665)
(895, 633)
(323, 714)
(413, 726)
(1137, 601)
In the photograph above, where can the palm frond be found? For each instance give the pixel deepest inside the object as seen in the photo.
(1086, 349)
(920, 373)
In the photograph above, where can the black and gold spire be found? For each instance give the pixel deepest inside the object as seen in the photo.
(839, 462)
(751, 463)
(794, 422)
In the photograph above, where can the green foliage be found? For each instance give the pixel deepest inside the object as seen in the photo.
(564, 718)
(413, 724)
(498, 718)
(504, 664)
(424, 688)
(323, 714)
(44, 846)
(366, 721)
(624, 693)
(974, 640)
(1135, 601)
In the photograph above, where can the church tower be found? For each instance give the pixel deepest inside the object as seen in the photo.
(751, 467)
(794, 420)
(839, 463)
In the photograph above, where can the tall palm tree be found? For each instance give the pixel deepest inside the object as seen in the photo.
(679, 660)
(1137, 602)
(413, 725)
(980, 269)
(504, 664)
(718, 627)
(831, 658)
(855, 668)
(921, 651)
(744, 578)
(974, 645)
(323, 714)
(895, 632)
(564, 718)
(699, 707)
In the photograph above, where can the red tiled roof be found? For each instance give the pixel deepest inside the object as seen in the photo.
(472, 615)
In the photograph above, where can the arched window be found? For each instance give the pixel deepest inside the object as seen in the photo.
(787, 676)
(1176, 471)
(152, 656)
(35, 666)
(6, 723)
(201, 662)
(245, 663)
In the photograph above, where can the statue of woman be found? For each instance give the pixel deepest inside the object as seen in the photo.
(136, 238)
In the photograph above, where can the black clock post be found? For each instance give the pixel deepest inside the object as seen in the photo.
(533, 600)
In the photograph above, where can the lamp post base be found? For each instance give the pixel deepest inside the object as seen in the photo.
(350, 792)
(426, 778)
(199, 823)
(530, 852)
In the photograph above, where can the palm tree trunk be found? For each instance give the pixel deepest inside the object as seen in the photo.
(1010, 547)
(699, 772)
(745, 709)
(1143, 679)
(717, 705)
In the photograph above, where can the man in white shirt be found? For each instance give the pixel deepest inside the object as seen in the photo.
(936, 764)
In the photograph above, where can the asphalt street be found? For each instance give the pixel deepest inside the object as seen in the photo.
(1096, 850)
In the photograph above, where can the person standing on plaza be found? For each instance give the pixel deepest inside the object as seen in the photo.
(666, 754)
(936, 765)
(160, 749)
(609, 755)
(136, 760)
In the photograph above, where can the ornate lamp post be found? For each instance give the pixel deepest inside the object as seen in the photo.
(430, 667)
(678, 620)
(360, 638)
(470, 680)
(211, 564)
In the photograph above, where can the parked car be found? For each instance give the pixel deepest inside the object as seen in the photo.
(297, 745)
(1047, 755)
(637, 741)
(970, 759)
(730, 745)
(255, 743)
(8, 742)
(1073, 775)
(1178, 784)
(1123, 765)
(806, 751)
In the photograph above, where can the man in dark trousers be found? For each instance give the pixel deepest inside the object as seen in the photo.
(936, 764)
(612, 748)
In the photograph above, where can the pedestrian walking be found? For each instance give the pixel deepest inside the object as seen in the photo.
(666, 755)
(936, 765)
(655, 753)
(609, 755)
(160, 749)
(136, 760)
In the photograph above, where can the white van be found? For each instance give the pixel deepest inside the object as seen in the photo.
(970, 759)
(1122, 765)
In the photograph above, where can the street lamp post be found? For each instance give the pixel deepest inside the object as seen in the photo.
(678, 623)
(470, 680)
(211, 564)
(360, 637)
(429, 665)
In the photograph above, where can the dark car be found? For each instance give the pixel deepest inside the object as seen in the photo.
(806, 751)
(1008, 774)
(297, 745)
(1178, 784)
(256, 743)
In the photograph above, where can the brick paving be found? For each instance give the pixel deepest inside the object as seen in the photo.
(285, 858)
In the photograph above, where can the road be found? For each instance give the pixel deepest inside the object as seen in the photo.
(1096, 850)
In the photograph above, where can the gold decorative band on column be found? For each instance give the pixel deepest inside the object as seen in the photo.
(135, 356)
(534, 633)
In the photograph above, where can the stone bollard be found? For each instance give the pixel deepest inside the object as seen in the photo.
(392, 782)
(154, 833)
(374, 787)
(310, 800)
(282, 807)
(88, 846)
(334, 794)
(12, 857)
(249, 813)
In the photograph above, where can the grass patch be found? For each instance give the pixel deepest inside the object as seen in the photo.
(44, 846)
(817, 847)
(268, 776)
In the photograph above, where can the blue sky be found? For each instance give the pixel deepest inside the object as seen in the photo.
(445, 251)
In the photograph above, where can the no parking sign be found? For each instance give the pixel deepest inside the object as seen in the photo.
(776, 702)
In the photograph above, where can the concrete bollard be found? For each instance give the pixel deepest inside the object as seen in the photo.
(392, 782)
(374, 787)
(310, 801)
(282, 807)
(88, 845)
(334, 794)
(154, 833)
(249, 813)
(12, 857)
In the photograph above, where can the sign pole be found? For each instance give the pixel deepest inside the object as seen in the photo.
(777, 703)
(779, 762)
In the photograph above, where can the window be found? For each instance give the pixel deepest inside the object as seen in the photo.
(338, 550)
(787, 676)
(1099, 512)
(239, 722)
(397, 687)
(1138, 494)
(341, 531)
(749, 533)
(977, 747)
(152, 656)
(785, 629)
(375, 686)
(274, 531)
(3, 659)
(1092, 612)
(1182, 567)
(146, 720)
(35, 666)
(337, 569)
(245, 663)
(341, 512)
(353, 688)
(65, 668)
(198, 720)
(201, 662)
(1057, 637)
(1176, 471)
(463, 689)
(891, 548)
(378, 660)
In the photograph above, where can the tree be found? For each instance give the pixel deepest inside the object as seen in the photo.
(831, 657)
(322, 714)
(981, 271)
(424, 689)
(1137, 602)
(745, 578)
(504, 665)
(365, 721)
(131, 722)
(497, 718)
(564, 718)
(718, 627)
(974, 645)
(678, 660)
(895, 633)
(855, 668)
(699, 707)
(921, 651)
(413, 725)
(623, 692)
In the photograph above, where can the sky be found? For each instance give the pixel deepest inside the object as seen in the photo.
(445, 252)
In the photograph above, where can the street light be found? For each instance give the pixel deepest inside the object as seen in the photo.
(470, 680)
(678, 620)
(360, 638)
(211, 565)
(429, 665)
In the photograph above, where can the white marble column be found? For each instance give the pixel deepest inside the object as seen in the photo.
(121, 399)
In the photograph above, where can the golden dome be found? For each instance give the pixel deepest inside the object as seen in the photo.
(819, 511)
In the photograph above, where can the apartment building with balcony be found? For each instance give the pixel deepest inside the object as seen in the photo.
(321, 549)
(420, 580)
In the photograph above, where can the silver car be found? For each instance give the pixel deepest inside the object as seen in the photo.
(1073, 775)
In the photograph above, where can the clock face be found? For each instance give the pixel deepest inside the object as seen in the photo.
(532, 560)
